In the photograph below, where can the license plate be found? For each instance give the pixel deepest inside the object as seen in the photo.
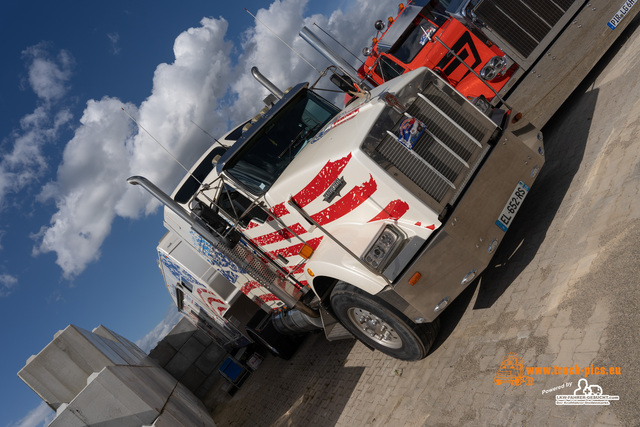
(624, 9)
(513, 205)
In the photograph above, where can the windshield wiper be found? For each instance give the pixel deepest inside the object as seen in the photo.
(303, 133)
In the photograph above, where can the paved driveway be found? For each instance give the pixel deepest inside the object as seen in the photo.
(562, 291)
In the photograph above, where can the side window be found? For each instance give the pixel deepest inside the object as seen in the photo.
(191, 185)
(180, 299)
(388, 69)
(188, 286)
(235, 204)
(414, 41)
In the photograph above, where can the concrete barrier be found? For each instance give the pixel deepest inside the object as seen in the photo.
(101, 378)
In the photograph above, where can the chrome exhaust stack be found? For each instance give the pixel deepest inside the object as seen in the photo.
(267, 83)
(324, 50)
(196, 223)
(218, 241)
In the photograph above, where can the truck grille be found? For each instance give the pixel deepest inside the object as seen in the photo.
(522, 23)
(447, 153)
(248, 261)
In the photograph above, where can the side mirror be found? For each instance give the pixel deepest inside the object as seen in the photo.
(344, 82)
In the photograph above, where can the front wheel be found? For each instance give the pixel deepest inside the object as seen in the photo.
(379, 325)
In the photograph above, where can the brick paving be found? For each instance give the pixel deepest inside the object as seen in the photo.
(561, 290)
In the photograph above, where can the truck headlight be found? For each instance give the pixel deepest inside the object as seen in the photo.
(482, 104)
(495, 66)
(383, 247)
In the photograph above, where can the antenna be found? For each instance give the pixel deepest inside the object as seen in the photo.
(211, 136)
(359, 87)
(163, 147)
(341, 45)
(285, 43)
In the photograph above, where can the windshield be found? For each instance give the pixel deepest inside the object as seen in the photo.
(413, 42)
(388, 69)
(266, 155)
(418, 31)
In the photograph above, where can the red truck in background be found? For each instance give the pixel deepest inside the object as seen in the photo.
(423, 34)
(526, 55)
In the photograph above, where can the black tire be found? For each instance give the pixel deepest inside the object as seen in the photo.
(393, 333)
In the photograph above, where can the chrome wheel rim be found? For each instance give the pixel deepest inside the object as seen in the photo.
(374, 327)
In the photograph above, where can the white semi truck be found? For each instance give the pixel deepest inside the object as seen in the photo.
(374, 217)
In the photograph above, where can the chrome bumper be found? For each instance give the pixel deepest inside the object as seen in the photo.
(462, 245)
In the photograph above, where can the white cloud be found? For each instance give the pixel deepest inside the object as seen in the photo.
(90, 182)
(149, 341)
(91, 186)
(7, 283)
(284, 67)
(48, 75)
(114, 38)
(202, 85)
(40, 416)
(24, 163)
(187, 90)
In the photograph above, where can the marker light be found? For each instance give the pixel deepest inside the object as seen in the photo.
(441, 305)
(306, 251)
(534, 171)
(516, 118)
(468, 278)
(414, 279)
(493, 245)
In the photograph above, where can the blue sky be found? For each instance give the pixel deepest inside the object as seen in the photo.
(77, 244)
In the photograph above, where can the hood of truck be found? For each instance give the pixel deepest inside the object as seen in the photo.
(342, 189)
(335, 198)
